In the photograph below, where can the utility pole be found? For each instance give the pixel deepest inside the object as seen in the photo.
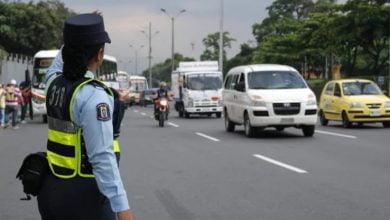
(136, 58)
(172, 18)
(149, 35)
(221, 37)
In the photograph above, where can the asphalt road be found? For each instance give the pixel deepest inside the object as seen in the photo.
(192, 169)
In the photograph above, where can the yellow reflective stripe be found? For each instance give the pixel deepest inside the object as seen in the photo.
(61, 161)
(116, 146)
(62, 138)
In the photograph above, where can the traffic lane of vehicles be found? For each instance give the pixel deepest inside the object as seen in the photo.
(339, 180)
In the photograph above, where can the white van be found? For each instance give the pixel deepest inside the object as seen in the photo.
(268, 95)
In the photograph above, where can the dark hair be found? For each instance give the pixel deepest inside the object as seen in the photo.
(76, 59)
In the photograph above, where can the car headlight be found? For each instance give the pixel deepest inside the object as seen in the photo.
(190, 103)
(257, 101)
(311, 102)
(387, 104)
(356, 105)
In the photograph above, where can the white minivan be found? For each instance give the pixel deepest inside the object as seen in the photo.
(268, 95)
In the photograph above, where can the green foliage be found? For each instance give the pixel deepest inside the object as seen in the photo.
(245, 57)
(211, 42)
(26, 28)
(162, 71)
(355, 34)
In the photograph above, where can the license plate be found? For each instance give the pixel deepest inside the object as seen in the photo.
(287, 120)
(375, 113)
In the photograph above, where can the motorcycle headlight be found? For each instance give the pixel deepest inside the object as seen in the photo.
(356, 105)
(387, 104)
(163, 102)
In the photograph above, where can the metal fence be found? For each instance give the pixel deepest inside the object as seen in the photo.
(14, 66)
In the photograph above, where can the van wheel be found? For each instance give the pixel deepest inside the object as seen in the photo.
(323, 120)
(229, 125)
(249, 130)
(218, 114)
(386, 124)
(308, 131)
(186, 115)
(346, 122)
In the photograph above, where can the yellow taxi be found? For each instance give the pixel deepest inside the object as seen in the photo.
(354, 100)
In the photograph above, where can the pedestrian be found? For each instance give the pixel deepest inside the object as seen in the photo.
(12, 98)
(2, 105)
(26, 93)
(84, 180)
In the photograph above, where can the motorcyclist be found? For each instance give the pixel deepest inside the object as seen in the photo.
(162, 92)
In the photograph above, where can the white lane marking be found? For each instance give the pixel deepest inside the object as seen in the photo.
(208, 137)
(151, 117)
(135, 110)
(143, 113)
(295, 169)
(336, 134)
(173, 125)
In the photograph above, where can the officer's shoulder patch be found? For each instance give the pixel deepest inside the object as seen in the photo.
(103, 112)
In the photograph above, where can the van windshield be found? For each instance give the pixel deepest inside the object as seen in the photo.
(361, 88)
(275, 80)
(204, 82)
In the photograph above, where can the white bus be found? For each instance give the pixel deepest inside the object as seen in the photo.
(107, 72)
(137, 85)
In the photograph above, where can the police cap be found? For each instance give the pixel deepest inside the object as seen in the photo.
(85, 29)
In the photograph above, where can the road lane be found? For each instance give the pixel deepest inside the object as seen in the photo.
(172, 173)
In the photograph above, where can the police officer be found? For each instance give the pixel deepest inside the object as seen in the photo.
(84, 181)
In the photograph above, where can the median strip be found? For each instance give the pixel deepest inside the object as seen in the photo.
(278, 163)
(336, 134)
(208, 137)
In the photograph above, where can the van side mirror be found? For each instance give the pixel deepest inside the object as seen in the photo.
(240, 87)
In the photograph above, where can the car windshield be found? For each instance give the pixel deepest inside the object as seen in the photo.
(204, 82)
(275, 80)
(361, 88)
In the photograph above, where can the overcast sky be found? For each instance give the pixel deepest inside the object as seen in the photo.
(125, 19)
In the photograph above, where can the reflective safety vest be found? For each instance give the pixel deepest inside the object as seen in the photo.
(66, 150)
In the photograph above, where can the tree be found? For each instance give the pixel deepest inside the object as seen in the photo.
(26, 28)
(211, 42)
(244, 57)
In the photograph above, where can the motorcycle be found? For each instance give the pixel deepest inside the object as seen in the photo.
(162, 110)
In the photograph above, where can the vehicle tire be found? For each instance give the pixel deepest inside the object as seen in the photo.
(229, 125)
(218, 114)
(249, 130)
(308, 131)
(161, 119)
(346, 122)
(44, 119)
(386, 124)
(323, 120)
(186, 115)
(280, 128)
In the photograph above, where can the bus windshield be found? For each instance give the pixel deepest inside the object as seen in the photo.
(204, 81)
(138, 85)
(40, 68)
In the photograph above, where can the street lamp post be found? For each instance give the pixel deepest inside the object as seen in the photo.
(172, 18)
(150, 36)
(221, 37)
(136, 58)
